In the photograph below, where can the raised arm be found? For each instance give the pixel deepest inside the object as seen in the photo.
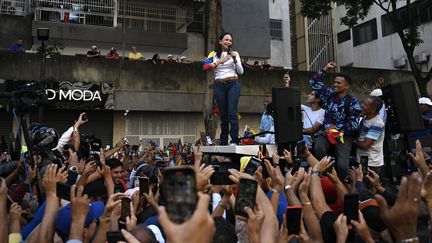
(3, 211)
(316, 81)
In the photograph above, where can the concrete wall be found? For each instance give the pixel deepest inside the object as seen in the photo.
(381, 52)
(281, 49)
(12, 27)
(178, 87)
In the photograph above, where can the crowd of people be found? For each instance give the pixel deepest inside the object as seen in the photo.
(35, 207)
(68, 189)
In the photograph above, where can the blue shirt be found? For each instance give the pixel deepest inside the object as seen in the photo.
(346, 120)
(16, 49)
(266, 122)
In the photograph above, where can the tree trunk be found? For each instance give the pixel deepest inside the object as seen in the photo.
(422, 86)
(214, 26)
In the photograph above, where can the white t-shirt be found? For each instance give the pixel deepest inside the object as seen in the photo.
(268, 138)
(229, 68)
(311, 117)
(373, 129)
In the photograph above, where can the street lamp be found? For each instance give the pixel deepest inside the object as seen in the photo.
(43, 35)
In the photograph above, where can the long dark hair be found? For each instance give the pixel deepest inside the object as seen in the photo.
(218, 47)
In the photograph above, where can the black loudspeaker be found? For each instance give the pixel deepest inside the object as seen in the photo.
(403, 113)
(287, 116)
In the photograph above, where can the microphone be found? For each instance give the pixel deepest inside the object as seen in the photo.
(229, 50)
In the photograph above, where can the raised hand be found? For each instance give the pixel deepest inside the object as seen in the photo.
(187, 232)
(401, 219)
(330, 66)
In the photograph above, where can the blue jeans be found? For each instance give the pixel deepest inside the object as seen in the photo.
(227, 97)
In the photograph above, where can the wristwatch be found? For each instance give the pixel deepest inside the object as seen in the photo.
(317, 172)
(73, 168)
(274, 190)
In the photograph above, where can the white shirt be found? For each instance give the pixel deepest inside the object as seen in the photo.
(64, 139)
(311, 117)
(229, 68)
(268, 138)
(383, 113)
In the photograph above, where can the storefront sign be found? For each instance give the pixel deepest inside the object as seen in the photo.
(76, 94)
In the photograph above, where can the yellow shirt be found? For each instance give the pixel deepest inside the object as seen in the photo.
(135, 56)
(15, 238)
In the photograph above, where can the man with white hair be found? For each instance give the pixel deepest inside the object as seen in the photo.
(425, 105)
(382, 112)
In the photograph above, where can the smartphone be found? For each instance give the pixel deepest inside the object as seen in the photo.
(114, 236)
(351, 203)
(264, 150)
(364, 163)
(252, 166)
(209, 141)
(178, 191)
(221, 178)
(63, 191)
(301, 147)
(144, 183)
(125, 208)
(57, 162)
(66, 148)
(293, 218)
(72, 177)
(247, 191)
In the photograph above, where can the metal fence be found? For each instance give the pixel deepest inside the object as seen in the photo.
(148, 15)
(90, 12)
(14, 7)
(320, 37)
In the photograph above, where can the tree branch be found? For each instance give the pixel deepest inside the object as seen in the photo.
(380, 4)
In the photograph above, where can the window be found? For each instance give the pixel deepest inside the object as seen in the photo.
(276, 29)
(365, 32)
(344, 36)
(421, 13)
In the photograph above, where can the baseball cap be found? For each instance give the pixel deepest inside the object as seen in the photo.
(183, 57)
(113, 49)
(169, 56)
(425, 101)
(376, 92)
(94, 47)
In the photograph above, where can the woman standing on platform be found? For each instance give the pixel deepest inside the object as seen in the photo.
(227, 66)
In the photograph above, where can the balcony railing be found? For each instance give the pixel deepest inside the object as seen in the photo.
(136, 14)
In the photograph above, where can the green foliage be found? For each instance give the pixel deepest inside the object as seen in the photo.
(314, 9)
(355, 9)
(412, 36)
(52, 47)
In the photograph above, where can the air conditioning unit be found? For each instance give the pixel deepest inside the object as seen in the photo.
(421, 58)
(400, 63)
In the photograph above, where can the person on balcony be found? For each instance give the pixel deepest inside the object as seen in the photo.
(135, 55)
(17, 47)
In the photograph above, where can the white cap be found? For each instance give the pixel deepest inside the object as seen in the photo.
(169, 55)
(183, 57)
(376, 92)
(425, 101)
(94, 47)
